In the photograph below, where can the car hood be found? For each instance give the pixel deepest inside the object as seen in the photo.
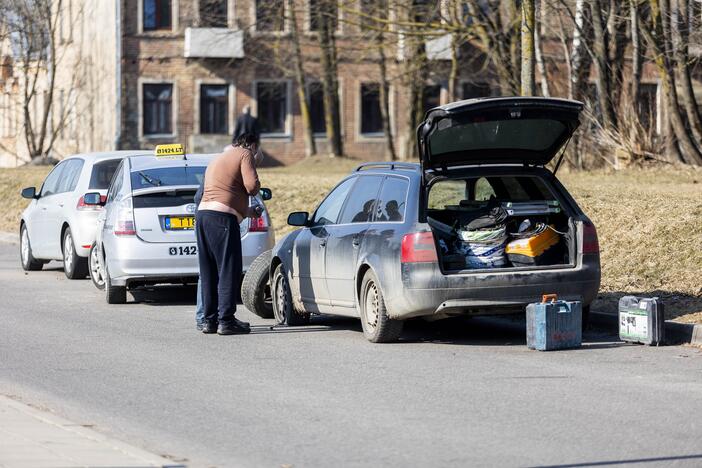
(515, 130)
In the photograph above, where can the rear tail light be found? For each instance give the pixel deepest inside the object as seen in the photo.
(124, 224)
(418, 247)
(590, 243)
(259, 224)
(81, 206)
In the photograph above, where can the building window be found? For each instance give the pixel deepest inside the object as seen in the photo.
(371, 121)
(373, 9)
(158, 108)
(270, 15)
(315, 94)
(157, 15)
(318, 10)
(476, 90)
(213, 13)
(272, 100)
(647, 104)
(426, 11)
(214, 109)
(431, 97)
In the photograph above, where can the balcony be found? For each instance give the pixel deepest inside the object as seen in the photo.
(214, 43)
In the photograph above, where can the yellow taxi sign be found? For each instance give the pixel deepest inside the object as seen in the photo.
(171, 151)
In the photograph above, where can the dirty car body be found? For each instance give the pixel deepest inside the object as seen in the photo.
(358, 229)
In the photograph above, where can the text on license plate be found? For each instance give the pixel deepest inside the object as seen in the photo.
(174, 223)
(186, 250)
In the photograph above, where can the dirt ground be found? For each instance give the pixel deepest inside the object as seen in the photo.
(649, 223)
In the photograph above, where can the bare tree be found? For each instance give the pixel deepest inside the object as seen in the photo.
(528, 87)
(326, 15)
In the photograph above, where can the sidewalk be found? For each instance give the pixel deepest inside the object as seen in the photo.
(34, 438)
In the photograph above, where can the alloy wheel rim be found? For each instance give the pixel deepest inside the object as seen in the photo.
(68, 253)
(280, 298)
(372, 305)
(25, 246)
(95, 269)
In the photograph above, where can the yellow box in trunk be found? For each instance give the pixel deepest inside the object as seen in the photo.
(533, 246)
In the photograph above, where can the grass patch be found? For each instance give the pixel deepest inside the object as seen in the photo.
(649, 222)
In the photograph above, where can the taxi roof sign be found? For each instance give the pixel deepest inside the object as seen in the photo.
(171, 151)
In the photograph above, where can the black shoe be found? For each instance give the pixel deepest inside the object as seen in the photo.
(234, 327)
(209, 328)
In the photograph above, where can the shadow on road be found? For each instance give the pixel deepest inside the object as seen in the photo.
(624, 462)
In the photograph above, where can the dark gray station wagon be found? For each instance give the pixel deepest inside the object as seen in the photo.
(390, 242)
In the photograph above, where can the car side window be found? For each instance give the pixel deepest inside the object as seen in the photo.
(51, 183)
(70, 176)
(328, 211)
(392, 200)
(116, 185)
(484, 190)
(363, 200)
(446, 193)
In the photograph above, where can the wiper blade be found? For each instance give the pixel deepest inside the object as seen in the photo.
(151, 180)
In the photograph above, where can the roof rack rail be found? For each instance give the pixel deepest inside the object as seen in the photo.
(391, 165)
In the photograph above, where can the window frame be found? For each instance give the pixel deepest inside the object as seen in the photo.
(376, 136)
(404, 214)
(59, 170)
(231, 103)
(309, 84)
(80, 163)
(174, 19)
(254, 21)
(231, 15)
(174, 108)
(287, 131)
(307, 20)
(359, 177)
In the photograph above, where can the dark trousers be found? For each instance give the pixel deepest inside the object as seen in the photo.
(219, 255)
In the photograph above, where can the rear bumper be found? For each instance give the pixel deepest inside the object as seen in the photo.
(254, 244)
(83, 228)
(426, 291)
(130, 259)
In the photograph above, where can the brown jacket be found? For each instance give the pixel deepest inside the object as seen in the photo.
(230, 178)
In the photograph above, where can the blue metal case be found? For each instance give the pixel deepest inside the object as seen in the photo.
(554, 325)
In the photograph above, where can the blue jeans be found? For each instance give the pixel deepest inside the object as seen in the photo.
(199, 308)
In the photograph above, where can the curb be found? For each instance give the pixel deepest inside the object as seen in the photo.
(9, 238)
(146, 459)
(675, 332)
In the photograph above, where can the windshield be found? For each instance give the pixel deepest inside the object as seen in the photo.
(167, 176)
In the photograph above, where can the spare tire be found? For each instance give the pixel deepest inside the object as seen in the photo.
(255, 288)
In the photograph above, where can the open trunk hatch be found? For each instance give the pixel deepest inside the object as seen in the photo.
(516, 130)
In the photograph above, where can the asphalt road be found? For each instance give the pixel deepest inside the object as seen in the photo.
(459, 393)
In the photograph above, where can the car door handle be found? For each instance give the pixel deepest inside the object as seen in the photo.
(322, 244)
(60, 205)
(356, 242)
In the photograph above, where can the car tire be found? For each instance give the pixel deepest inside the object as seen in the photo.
(74, 266)
(114, 294)
(378, 327)
(255, 287)
(283, 307)
(29, 263)
(95, 269)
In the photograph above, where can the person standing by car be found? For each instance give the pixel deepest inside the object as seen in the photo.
(229, 181)
(247, 124)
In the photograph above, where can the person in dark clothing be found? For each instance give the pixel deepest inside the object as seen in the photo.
(247, 124)
(229, 181)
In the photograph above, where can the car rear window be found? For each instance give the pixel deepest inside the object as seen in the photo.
(164, 199)
(455, 192)
(167, 176)
(102, 174)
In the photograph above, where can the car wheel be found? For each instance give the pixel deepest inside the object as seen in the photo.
(256, 289)
(29, 263)
(113, 294)
(283, 308)
(74, 266)
(96, 272)
(377, 326)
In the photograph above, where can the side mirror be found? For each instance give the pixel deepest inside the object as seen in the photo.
(92, 199)
(266, 194)
(298, 218)
(29, 192)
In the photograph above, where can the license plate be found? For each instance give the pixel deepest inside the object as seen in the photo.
(185, 250)
(180, 223)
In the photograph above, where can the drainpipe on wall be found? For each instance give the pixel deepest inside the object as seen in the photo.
(118, 75)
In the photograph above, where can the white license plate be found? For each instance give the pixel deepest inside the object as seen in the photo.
(185, 250)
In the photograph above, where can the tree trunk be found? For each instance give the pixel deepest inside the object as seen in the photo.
(385, 99)
(540, 62)
(660, 42)
(310, 144)
(528, 87)
(603, 79)
(327, 44)
(636, 57)
(580, 59)
(681, 44)
(453, 72)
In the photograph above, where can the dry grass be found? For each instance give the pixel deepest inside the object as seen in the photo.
(649, 223)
